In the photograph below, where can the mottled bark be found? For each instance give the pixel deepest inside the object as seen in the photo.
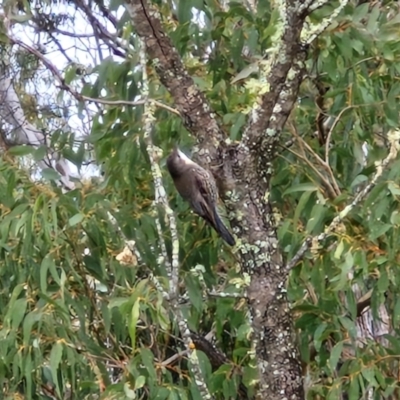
(189, 100)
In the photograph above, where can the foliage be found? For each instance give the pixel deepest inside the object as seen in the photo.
(76, 322)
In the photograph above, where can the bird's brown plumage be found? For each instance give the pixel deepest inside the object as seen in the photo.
(197, 186)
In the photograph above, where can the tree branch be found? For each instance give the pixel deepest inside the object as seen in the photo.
(394, 139)
(173, 266)
(190, 101)
(24, 132)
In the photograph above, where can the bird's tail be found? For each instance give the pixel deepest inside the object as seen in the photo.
(222, 229)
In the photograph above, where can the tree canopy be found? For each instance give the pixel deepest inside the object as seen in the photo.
(111, 287)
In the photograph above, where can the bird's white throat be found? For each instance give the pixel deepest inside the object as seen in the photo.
(185, 158)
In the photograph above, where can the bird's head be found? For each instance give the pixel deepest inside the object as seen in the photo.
(177, 162)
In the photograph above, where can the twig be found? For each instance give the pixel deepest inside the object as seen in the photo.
(311, 34)
(72, 34)
(130, 103)
(101, 32)
(154, 154)
(333, 185)
(80, 97)
(173, 358)
(329, 135)
(325, 182)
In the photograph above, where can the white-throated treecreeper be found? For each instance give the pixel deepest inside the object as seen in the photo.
(197, 186)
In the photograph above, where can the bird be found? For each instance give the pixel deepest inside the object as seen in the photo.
(197, 186)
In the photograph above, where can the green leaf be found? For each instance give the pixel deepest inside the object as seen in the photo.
(184, 11)
(335, 391)
(140, 382)
(319, 336)
(76, 219)
(11, 304)
(28, 367)
(129, 393)
(23, 150)
(335, 355)
(379, 230)
(147, 358)
(304, 187)
(339, 250)
(383, 282)
(394, 188)
(70, 73)
(133, 322)
(246, 72)
(195, 292)
(373, 19)
(305, 197)
(380, 378)
(349, 326)
(369, 375)
(22, 17)
(40, 153)
(316, 220)
(161, 393)
(29, 321)
(44, 268)
(117, 302)
(18, 312)
(360, 12)
(354, 390)
(55, 359)
(237, 126)
(50, 174)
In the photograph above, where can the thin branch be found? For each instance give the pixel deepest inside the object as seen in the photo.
(171, 359)
(154, 154)
(173, 267)
(315, 4)
(53, 69)
(131, 103)
(394, 139)
(71, 34)
(311, 34)
(333, 185)
(329, 135)
(60, 48)
(101, 32)
(106, 13)
(325, 182)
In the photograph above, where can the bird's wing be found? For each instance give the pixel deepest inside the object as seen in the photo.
(203, 204)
